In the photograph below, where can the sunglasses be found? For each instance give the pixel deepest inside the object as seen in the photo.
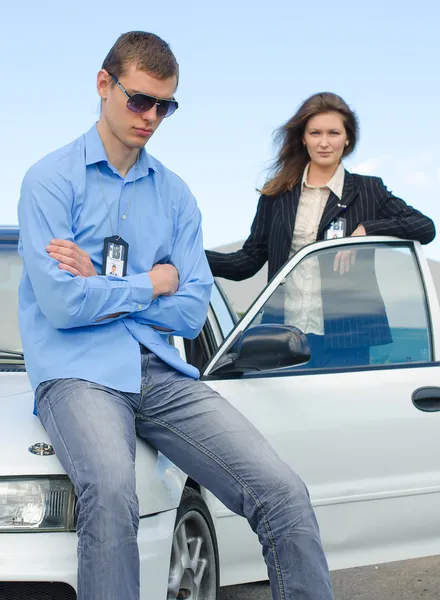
(140, 103)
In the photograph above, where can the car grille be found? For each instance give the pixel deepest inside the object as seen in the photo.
(18, 590)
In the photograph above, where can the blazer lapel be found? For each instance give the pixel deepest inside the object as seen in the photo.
(334, 207)
(289, 206)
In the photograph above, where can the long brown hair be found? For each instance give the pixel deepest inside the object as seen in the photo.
(293, 157)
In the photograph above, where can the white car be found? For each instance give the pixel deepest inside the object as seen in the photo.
(365, 439)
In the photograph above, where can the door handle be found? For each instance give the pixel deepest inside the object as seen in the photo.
(427, 399)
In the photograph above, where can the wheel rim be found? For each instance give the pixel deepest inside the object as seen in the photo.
(193, 573)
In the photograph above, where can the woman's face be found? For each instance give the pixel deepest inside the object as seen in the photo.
(325, 138)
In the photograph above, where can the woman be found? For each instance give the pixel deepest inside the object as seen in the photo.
(312, 197)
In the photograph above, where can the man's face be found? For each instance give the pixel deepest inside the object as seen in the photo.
(132, 129)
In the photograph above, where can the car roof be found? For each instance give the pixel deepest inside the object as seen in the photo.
(8, 234)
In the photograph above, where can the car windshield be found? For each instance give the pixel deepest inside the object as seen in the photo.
(10, 273)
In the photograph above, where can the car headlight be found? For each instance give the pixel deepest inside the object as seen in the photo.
(36, 504)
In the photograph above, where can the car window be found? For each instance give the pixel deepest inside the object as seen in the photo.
(223, 312)
(374, 313)
(10, 273)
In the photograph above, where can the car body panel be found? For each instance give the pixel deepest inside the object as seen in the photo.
(373, 479)
(53, 556)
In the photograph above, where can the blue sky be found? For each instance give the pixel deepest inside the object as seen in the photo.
(245, 68)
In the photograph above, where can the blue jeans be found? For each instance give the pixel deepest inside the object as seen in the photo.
(93, 430)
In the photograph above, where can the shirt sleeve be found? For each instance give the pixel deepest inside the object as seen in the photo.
(45, 213)
(247, 261)
(185, 312)
(398, 219)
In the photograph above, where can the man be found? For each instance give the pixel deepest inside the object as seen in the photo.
(103, 194)
(112, 270)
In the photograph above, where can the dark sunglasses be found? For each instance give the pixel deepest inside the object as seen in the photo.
(140, 103)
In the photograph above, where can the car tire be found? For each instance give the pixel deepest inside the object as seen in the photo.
(194, 566)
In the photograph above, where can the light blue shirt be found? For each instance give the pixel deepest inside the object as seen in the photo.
(60, 314)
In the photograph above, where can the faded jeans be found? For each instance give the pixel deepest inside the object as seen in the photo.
(93, 430)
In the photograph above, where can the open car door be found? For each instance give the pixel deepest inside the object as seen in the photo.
(357, 421)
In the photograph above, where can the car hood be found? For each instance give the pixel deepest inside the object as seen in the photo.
(20, 429)
(159, 482)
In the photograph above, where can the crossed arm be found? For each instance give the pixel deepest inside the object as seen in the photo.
(74, 260)
(70, 293)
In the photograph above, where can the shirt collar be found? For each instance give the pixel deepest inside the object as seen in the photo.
(335, 185)
(95, 153)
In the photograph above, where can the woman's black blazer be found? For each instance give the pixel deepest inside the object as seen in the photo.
(368, 203)
(365, 200)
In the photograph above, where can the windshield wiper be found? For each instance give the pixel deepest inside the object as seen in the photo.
(11, 354)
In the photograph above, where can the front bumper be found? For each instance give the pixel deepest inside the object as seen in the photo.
(51, 557)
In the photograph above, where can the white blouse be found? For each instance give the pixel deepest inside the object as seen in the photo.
(303, 302)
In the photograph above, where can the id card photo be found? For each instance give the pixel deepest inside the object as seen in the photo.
(336, 230)
(115, 260)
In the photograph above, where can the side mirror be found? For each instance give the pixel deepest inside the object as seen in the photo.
(266, 347)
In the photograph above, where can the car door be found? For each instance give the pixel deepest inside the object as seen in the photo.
(363, 436)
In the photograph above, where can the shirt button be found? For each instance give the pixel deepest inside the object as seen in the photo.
(140, 306)
(124, 217)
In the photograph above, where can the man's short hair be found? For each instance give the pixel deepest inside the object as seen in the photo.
(148, 51)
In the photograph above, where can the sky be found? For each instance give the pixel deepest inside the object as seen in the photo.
(245, 67)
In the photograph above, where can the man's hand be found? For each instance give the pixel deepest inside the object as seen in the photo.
(165, 280)
(71, 258)
(345, 259)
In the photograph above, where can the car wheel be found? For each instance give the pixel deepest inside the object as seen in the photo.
(194, 570)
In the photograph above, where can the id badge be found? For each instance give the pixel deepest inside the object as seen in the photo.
(115, 256)
(337, 229)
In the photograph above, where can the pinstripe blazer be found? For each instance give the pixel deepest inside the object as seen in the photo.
(368, 203)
